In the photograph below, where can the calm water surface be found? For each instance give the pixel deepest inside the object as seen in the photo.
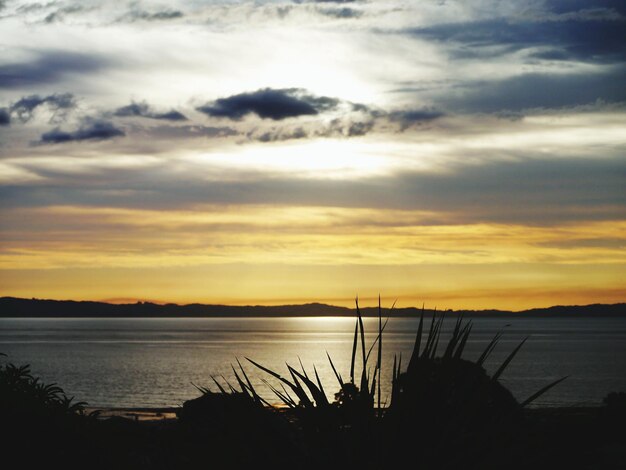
(154, 362)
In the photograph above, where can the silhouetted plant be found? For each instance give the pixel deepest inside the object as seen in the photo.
(353, 403)
(240, 424)
(22, 393)
(40, 423)
(440, 402)
(445, 401)
(452, 380)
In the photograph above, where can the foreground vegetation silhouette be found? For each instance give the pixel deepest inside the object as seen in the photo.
(445, 412)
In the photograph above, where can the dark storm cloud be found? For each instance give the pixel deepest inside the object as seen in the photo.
(27, 8)
(143, 110)
(5, 117)
(59, 104)
(568, 6)
(357, 121)
(49, 67)
(172, 115)
(336, 128)
(341, 13)
(277, 136)
(347, 128)
(593, 40)
(528, 191)
(142, 15)
(359, 128)
(408, 118)
(61, 13)
(97, 130)
(268, 103)
(191, 132)
(535, 90)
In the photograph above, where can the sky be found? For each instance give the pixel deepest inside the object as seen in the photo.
(457, 154)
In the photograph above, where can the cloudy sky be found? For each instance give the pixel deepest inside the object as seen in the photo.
(457, 153)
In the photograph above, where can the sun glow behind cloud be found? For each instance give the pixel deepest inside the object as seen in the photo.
(325, 158)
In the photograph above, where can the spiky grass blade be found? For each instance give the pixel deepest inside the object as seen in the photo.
(540, 392)
(245, 375)
(319, 382)
(354, 344)
(364, 379)
(302, 367)
(394, 380)
(257, 398)
(436, 335)
(489, 349)
(465, 332)
(296, 387)
(373, 389)
(508, 360)
(230, 387)
(287, 394)
(285, 398)
(242, 384)
(316, 393)
(271, 372)
(431, 336)
(339, 379)
(219, 386)
(380, 348)
(362, 334)
(202, 390)
(299, 390)
(378, 336)
(418, 341)
(454, 339)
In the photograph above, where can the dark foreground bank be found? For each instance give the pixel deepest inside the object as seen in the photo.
(549, 438)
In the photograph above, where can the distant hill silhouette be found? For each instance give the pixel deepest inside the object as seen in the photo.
(17, 307)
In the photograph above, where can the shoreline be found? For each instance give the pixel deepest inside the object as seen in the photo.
(134, 413)
(142, 414)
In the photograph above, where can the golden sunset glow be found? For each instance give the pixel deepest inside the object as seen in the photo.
(274, 254)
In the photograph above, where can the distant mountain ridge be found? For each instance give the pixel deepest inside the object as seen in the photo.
(30, 308)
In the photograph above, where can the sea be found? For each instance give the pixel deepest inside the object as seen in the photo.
(154, 363)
